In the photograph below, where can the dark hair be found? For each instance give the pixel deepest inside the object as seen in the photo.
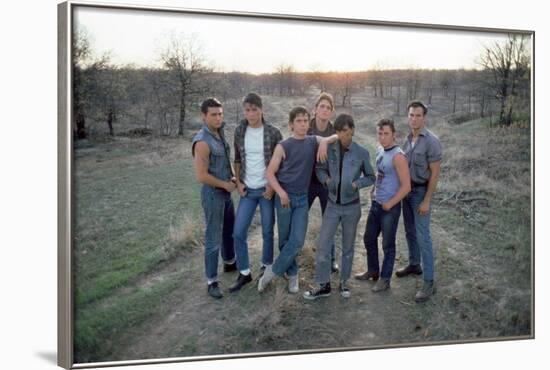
(210, 103)
(253, 99)
(343, 120)
(418, 104)
(386, 122)
(295, 111)
(325, 96)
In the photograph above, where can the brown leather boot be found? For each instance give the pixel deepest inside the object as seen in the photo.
(408, 270)
(368, 275)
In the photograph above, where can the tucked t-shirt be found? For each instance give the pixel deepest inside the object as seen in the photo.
(426, 150)
(255, 164)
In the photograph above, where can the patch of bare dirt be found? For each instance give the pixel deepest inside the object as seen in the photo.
(475, 298)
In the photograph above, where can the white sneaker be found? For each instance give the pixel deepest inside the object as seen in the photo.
(344, 290)
(265, 279)
(293, 284)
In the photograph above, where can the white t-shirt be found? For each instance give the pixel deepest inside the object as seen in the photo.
(254, 176)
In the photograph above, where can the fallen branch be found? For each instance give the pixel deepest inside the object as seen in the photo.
(453, 195)
(468, 200)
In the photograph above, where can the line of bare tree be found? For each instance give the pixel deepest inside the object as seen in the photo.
(158, 99)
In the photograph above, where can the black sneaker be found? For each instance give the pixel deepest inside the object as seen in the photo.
(241, 281)
(228, 267)
(410, 269)
(322, 290)
(214, 290)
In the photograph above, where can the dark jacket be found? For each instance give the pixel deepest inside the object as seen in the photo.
(356, 163)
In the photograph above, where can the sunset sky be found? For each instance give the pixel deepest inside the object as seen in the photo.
(257, 46)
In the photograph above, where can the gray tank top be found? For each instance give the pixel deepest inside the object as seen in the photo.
(295, 171)
(387, 181)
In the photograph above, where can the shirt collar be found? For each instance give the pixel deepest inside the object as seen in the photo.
(423, 132)
(246, 124)
(207, 129)
(345, 150)
(312, 124)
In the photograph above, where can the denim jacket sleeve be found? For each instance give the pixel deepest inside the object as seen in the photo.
(368, 177)
(321, 170)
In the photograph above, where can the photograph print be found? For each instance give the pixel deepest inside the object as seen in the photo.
(252, 184)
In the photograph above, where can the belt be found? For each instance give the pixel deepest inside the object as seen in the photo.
(355, 201)
(417, 185)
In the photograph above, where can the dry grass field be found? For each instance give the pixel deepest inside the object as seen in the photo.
(140, 291)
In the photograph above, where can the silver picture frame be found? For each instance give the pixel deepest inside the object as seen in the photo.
(66, 190)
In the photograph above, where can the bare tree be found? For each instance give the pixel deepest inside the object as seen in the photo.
(109, 99)
(398, 98)
(509, 64)
(182, 57)
(233, 86)
(446, 81)
(162, 108)
(413, 83)
(266, 84)
(429, 85)
(377, 83)
(344, 87)
(81, 52)
(286, 77)
(319, 79)
(86, 68)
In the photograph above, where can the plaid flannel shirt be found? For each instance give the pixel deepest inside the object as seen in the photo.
(272, 136)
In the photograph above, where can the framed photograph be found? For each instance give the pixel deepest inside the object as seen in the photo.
(137, 279)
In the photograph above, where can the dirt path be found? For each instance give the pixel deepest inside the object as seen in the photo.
(193, 324)
(475, 299)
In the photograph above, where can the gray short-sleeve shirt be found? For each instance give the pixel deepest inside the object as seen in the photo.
(426, 150)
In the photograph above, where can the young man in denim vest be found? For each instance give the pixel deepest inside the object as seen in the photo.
(423, 151)
(213, 169)
(393, 183)
(347, 170)
(254, 141)
(289, 174)
(320, 125)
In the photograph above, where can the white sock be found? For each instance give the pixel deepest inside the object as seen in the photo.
(245, 272)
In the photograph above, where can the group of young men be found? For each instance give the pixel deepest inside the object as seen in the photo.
(319, 160)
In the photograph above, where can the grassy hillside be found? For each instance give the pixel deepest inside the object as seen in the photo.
(139, 284)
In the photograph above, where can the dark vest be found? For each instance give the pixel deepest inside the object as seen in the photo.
(218, 164)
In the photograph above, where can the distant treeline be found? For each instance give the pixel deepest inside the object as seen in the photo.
(158, 100)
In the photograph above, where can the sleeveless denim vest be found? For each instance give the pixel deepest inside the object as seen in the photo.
(218, 164)
(387, 181)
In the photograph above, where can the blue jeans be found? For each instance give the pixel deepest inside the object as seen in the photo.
(348, 216)
(245, 213)
(417, 230)
(317, 190)
(385, 222)
(219, 216)
(292, 227)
